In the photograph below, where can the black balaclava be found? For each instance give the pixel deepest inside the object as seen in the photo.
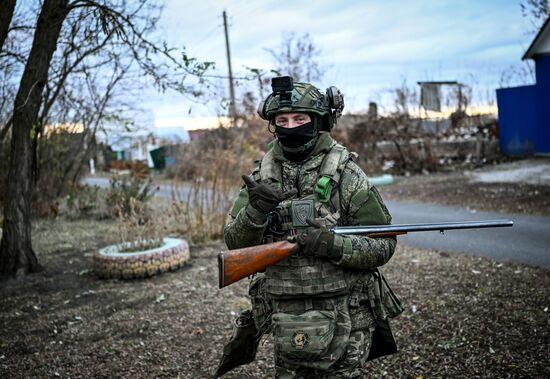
(297, 143)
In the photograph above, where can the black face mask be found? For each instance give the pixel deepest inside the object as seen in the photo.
(297, 142)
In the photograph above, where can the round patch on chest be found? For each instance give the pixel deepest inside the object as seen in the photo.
(300, 339)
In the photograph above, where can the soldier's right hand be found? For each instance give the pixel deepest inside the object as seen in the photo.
(263, 197)
(318, 241)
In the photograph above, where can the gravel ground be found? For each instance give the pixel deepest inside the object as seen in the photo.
(530, 171)
(465, 316)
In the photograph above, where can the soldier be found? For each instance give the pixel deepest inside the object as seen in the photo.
(327, 305)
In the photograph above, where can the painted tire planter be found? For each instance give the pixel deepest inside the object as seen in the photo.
(109, 262)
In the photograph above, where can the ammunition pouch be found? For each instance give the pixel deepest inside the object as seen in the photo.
(243, 345)
(372, 303)
(314, 339)
(385, 298)
(383, 342)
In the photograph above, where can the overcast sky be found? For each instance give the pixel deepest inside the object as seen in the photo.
(371, 46)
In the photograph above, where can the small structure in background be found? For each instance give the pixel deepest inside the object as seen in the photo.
(372, 113)
(430, 100)
(154, 143)
(524, 112)
(138, 146)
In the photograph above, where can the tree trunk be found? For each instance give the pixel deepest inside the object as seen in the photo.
(16, 252)
(6, 14)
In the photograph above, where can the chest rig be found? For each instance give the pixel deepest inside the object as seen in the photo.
(319, 199)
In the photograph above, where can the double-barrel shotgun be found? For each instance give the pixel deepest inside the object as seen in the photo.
(239, 263)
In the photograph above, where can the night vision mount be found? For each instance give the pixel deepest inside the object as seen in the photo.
(283, 86)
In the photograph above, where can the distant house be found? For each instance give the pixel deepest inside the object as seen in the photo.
(138, 145)
(524, 112)
(159, 145)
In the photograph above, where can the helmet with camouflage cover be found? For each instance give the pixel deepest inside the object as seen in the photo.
(290, 96)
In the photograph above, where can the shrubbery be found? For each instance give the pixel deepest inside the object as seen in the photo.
(123, 190)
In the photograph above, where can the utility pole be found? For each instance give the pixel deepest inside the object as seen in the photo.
(232, 107)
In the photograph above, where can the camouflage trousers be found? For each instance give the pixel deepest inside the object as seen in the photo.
(349, 366)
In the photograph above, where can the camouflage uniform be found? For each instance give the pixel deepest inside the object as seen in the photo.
(300, 289)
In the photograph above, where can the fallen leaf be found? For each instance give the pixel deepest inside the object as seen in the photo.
(160, 298)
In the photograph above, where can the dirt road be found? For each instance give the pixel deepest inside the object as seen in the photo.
(419, 199)
(528, 241)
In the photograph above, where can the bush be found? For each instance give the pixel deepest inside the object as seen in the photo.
(211, 168)
(82, 200)
(137, 230)
(135, 168)
(124, 189)
(62, 160)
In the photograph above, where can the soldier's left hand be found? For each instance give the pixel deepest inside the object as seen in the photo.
(318, 241)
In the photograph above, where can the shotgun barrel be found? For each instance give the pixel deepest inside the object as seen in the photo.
(236, 264)
(406, 228)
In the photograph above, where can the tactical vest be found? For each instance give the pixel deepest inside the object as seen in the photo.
(298, 275)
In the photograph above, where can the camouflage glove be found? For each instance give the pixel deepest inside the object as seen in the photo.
(262, 198)
(318, 241)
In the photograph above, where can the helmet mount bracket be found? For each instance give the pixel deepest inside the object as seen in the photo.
(290, 96)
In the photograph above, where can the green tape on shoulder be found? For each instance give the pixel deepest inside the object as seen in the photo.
(323, 188)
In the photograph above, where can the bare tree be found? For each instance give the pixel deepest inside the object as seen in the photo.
(404, 97)
(7, 7)
(537, 11)
(12, 60)
(298, 57)
(16, 250)
(523, 73)
(115, 41)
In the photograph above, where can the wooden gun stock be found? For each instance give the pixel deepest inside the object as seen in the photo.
(240, 263)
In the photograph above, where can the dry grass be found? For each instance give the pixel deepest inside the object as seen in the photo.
(473, 318)
(211, 168)
(137, 230)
